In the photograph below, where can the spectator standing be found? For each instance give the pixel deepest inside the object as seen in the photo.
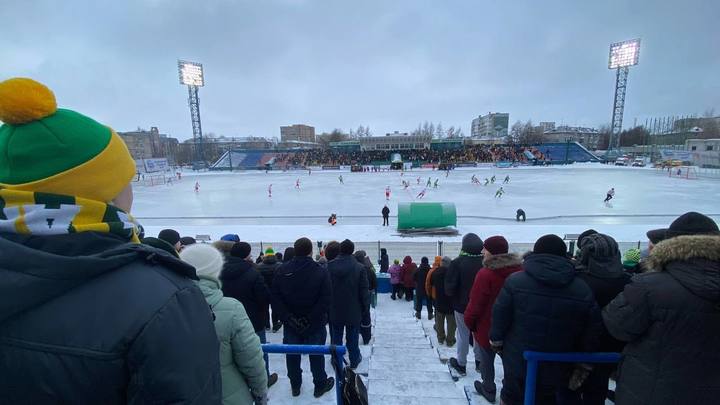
(268, 268)
(396, 279)
(288, 255)
(68, 295)
(670, 318)
(241, 281)
(172, 237)
(421, 295)
(498, 265)
(384, 261)
(332, 251)
(302, 295)
(458, 283)
(544, 308)
(386, 216)
(407, 274)
(366, 326)
(602, 271)
(444, 317)
(349, 299)
(631, 261)
(244, 379)
(428, 287)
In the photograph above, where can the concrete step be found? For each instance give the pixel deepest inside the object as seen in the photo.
(399, 400)
(426, 364)
(405, 353)
(416, 389)
(411, 375)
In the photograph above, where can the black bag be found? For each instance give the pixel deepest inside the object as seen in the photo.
(354, 390)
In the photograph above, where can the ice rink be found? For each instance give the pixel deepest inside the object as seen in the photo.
(564, 199)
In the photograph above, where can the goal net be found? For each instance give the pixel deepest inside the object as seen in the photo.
(153, 180)
(684, 172)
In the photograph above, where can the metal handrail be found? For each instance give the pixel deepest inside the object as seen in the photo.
(337, 352)
(533, 358)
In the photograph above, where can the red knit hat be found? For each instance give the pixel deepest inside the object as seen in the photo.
(496, 245)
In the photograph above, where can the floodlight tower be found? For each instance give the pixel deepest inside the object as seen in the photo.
(191, 75)
(622, 55)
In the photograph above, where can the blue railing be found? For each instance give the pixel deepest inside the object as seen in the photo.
(533, 358)
(337, 352)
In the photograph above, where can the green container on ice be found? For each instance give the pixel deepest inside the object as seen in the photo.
(426, 215)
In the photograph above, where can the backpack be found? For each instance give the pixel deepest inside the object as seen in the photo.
(354, 391)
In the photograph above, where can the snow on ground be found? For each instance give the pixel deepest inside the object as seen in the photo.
(562, 199)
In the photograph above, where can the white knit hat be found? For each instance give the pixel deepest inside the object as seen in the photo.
(207, 260)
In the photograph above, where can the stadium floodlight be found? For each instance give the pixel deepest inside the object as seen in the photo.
(625, 53)
(191, 73)
(622, 55)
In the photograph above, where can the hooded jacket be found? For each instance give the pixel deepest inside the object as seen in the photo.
(302, 294)
(429, 290)
(364, 260)
(350, 290)
(420, 276)
(544, 308)
(87, 318)
(395, 274)
(488, 282)
(241, 281)
(670, 317)
(461, 275)
(384, 261)
(268, 267)
(407, 272)
(241, 357)
(437, 281)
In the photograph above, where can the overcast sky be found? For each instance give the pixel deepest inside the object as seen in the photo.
(383, 63)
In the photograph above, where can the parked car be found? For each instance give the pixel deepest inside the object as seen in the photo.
(622, 161)
(639, 162)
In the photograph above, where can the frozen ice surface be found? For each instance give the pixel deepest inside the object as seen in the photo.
(562, 199)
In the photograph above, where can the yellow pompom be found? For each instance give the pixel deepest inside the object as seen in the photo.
(25, 100)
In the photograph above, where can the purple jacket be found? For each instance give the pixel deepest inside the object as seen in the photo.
(394, 271)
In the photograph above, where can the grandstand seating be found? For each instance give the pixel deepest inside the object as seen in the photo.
(556, 152)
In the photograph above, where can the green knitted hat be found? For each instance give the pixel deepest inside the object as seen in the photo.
(269, 252)
(632, 255)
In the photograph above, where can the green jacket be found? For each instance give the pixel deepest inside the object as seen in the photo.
(241, 358)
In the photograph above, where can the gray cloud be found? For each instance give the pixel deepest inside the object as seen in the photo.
(387, 64)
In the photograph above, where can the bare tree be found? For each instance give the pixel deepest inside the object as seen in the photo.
(439, 133)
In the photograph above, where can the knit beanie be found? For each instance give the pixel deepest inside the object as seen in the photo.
(396, 261)
(472, 244)
(58, 151)
(231, 237)
(241, 250)
(496, 245)
(187, 241)
(632, 256)
(347, 247)
(170, 236)
(207, 260)
(269, 252)
(424, 260)
(303, 247)
(599, 245)
(550, 244)
(583, 235)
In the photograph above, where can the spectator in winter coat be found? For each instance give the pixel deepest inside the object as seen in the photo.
(396, 279)
(384, 261)
(350, 299)
(289, 254)
(172, 237)
(407, 274)
(498, 265)
(544, 308)
(443, 307)
(224, 247)
(240, 280)
(244, 378)
(670, 317)
(332, 251)
(88, 315)
(267, 269)
(420, 276)
(428, 287)
(600, 268)
(458, 282)
(302, 295)
(366, 325)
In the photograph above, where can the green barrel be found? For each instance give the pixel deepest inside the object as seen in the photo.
(423, 215)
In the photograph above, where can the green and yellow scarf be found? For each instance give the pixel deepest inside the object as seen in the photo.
(33, 213)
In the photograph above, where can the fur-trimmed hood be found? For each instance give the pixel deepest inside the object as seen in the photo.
(693, 260)
(495, 262)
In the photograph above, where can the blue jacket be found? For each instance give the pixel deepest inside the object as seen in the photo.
(301, 295)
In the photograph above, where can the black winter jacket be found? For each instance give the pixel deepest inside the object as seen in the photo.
(350, 290)
(544, 308)
(442, 301)
(87, 318)
(302, 294)
(420, 276)
(240, 280)
(460, 278)
(384, 261)
(267, 269)
(670, 318)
